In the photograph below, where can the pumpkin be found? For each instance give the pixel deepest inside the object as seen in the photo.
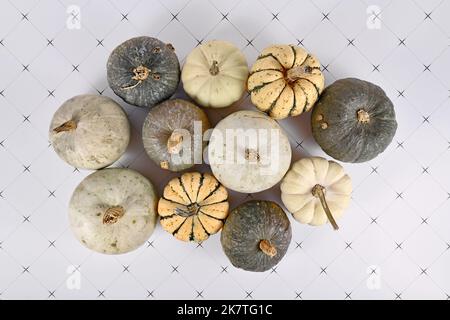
(173, 134)
(143, 71)
(89, 131)
(354, 120)
(193, 206)
(215, 74)
(256, 235)
(285, 81)
(316, 191)
(113, 210)
(249, 152)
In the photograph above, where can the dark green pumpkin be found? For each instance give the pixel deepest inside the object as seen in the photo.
(256, 235)
(143, 71)
(354, 120)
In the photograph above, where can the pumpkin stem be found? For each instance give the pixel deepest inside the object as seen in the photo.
(251, 155)
(297, 73)
(66, 126)
(141, 74)
(175, 143)
(267, 248)
(113, 214)
(318, 192)
(214, 70)
(363, 116)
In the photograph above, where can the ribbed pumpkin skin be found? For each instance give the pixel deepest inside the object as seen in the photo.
(335, 124)
(162, 121)
(158, 57)
(246, 226)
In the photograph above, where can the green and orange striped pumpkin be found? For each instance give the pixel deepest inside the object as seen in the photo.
(285, 81)
(193, 206)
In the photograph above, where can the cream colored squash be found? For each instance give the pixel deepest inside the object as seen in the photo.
(316, 191)
(215, 74)
(113, 210)
(249, 152)
(90, 131)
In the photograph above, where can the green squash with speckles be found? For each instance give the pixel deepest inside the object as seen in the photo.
(143, 71)
(256, 235)
(353, 121)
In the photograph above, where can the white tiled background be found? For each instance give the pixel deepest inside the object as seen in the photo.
(395, 238)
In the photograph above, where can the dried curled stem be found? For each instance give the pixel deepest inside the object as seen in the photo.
(214, 70)
(299, 72)
(113, 214)
(141, 74)
(267, 248)
(318, 191)
(66, 126)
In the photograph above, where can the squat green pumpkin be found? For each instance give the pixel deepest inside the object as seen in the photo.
(354, 120)
(256, 235)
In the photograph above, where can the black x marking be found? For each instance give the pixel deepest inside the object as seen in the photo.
(100, 42)
(175, 269)
(425, 170)
(399, 195)
(325, 68)
(300, 42)
(376, 67)
(51, 93)
(26, 118)
(101, 293)
(24, 16)
(51, 243)
(124, 16)
(400, 144)
(126, 268)
(374, 170)
(323, 270)
(51, 294)
(298, 245)
(348, 295)
(150, 293)
(26, 269)
(26, 219)
(249, 42)
(26, 67)
(274, 270)
(2, 93)
(325, 16)
(100, 92)
(199, 294)
(401, 42)
(426, 67)
(428, 16)
(26, 168)
(298, 295)
(424, 220)
(224, 269)
(351, 42)
(225, 16)
(50, 42)
(374, 220)
(248, 294)
(150, 244)
(275, 16)
(299, 144)
(423, 271)
(398, 296)
(175, 16)
(348, 245)
(400, 93)
(75, 67)
(199, 245)
(399, 246)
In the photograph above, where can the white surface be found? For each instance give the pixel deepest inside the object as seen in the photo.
(399, 219)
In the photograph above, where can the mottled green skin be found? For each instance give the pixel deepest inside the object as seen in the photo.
(246, 226)
(345, 138)
(137, 52)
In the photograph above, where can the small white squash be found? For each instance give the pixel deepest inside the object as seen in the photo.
(90, 131)
(316, 191)
(215, 74)
(249, 152)
(113, 210)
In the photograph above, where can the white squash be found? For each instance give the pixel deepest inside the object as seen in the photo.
(90, 131)
(215, 74)
(113, 210)
(316, 191)
(249, 152)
